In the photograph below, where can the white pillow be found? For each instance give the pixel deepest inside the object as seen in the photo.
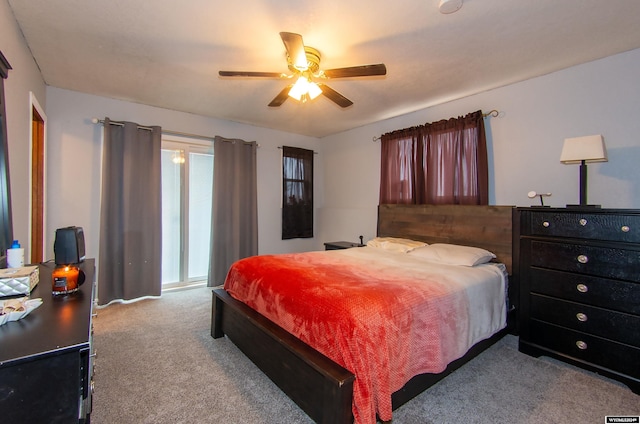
(395, 244)
(453, 254)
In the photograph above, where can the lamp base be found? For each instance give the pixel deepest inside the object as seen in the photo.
(583, 206)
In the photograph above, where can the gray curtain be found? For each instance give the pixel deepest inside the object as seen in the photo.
(234, 222)
(131, 213)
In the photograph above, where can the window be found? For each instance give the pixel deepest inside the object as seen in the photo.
(297, 193)
(187, 183)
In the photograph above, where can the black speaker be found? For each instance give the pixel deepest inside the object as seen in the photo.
(68, 246)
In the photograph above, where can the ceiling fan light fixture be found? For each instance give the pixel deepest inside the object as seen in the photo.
(314, 91)
(304, 64)
(299, 89)
(304, 89)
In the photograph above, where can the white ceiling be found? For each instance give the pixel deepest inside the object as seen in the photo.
(167, 53)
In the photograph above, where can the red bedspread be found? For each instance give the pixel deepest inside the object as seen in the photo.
(382, 323)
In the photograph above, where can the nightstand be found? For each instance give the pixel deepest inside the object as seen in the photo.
(337, 245)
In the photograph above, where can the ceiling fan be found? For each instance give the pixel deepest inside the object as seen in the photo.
(304, 63)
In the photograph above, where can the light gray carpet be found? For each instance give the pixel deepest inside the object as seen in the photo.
(157, 363)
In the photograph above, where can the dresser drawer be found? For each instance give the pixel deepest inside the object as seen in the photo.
(597, 351)
(614, 227)
(617, 326)
(618, 295)
(591, 260)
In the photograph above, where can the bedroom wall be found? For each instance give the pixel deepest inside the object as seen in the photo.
(24, 79)
(74, 163)
(600, 97)
(525, 141)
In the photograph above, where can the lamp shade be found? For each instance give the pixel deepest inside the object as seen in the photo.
(299, 89)
(589, 148)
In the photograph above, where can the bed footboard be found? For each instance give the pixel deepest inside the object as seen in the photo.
(319, 386)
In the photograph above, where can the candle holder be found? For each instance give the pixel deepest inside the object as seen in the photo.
(66, 279)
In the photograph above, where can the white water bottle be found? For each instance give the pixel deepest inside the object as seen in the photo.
(15, 255)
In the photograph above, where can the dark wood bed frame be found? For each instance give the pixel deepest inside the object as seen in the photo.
(321, 387)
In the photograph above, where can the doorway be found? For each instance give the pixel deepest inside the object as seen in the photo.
(37, 195)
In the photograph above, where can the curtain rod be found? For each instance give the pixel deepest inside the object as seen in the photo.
(494, 113)
(314, 152)
(168, 132)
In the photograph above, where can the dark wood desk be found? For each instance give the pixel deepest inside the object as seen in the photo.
(46, 358)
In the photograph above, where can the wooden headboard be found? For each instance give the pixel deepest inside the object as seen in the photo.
(488, 227)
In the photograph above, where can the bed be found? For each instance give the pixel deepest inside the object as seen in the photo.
(326, 390)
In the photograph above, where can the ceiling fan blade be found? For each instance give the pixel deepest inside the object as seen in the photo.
(357, 71)
(250, 74)
(295, 49)
(334, 96)
(281, 97)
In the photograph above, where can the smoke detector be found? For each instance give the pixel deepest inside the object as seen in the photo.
(449, 6)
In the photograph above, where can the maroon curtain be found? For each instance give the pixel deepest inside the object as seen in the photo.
(444, 162)
(401, 177)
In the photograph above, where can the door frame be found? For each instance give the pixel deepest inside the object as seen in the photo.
(37, 207)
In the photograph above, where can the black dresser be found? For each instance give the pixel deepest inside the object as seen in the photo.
(46, 358)
(579, 274)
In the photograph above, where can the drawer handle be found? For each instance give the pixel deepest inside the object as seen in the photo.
(581, 317)
(583, 259)
(625, 228)
(581, 345)
(582, 288)
(546, 224)
(583, 222)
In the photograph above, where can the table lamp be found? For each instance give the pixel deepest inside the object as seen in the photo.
(580, 150)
